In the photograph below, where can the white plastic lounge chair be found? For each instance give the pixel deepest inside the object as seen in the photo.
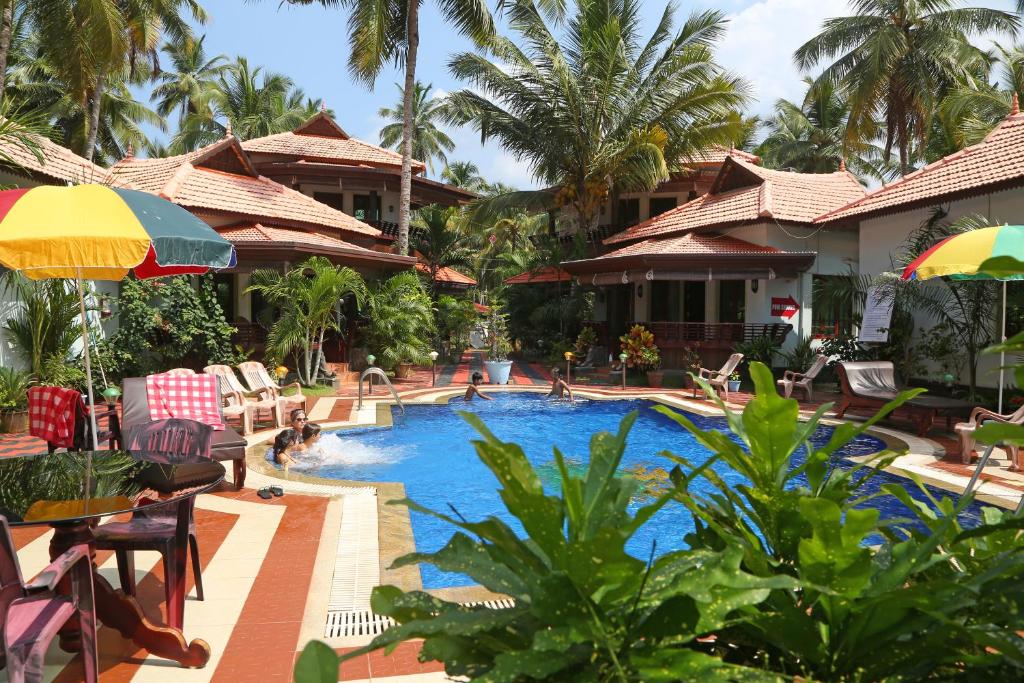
(238, 401)
(180, 371)
(259, 381)
(719, 378)
(979, 416)
(802, 380)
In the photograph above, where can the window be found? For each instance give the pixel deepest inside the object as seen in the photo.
(693, 302)
(224, 286)
(831, 314)
(363, 209)
(660, 205)
(629, 211)
(731, 300)
(331, 199)
(1014, 308)
(664, 301)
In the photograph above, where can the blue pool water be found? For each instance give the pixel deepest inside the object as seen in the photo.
(429, 451)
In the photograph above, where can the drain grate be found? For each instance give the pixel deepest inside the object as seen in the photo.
(364, 623)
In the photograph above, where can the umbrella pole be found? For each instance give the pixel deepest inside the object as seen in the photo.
(1002, 354)
(88, 365)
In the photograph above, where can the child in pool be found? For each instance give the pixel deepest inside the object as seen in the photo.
(310, 435)
(473, 388)
(558, 386)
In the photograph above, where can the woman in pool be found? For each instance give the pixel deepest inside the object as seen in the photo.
(473, 388)
(310, 434)
(290, 436)
(558, 386)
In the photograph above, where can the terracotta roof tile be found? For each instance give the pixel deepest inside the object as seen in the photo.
(447, 275)
(59, 163)
(257, 232)
(692, 243)
(716, 155)
(545, 274)
(322, 139)
(998, 159)
(762, 194)
(199, 188)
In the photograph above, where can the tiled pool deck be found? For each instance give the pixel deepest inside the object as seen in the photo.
(274, 571)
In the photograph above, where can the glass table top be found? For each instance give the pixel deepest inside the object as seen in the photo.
(66, 487)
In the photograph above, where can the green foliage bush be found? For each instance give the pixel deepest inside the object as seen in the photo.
(14, 386)
(400, 321)
(164, 324)
(786, 576)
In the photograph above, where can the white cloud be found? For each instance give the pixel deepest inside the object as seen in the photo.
(762, 38)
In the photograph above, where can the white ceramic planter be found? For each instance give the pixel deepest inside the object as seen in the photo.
(734, 385)
(498, 371)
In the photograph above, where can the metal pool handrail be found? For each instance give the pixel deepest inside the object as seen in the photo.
(370, 372)
(977, 475)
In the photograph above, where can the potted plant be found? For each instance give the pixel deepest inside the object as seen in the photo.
(497, 365)
(734, 381)
(14, 385)
(642, 354)
(691, 364)
(403, 370)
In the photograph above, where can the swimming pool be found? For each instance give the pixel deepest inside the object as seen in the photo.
(429, 451)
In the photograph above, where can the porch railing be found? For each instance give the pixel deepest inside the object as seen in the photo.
(714, 334)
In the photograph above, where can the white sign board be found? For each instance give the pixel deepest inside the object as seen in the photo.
(877, 318)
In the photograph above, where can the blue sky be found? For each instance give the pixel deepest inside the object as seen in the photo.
(309, 45)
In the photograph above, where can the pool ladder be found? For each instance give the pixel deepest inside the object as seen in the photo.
(377, 372)
(977, 475)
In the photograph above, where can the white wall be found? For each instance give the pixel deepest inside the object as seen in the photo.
(882, 237)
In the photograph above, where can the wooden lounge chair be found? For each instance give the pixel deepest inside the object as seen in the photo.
(32, 613)
(259, 381)
(979, 416)
(239, 401)
(802, 380)
(720, 378)
(872, 384)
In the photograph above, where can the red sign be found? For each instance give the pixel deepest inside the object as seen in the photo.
(784, 307)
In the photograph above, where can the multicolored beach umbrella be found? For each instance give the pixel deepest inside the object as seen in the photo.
(95, 232)
(961, 257)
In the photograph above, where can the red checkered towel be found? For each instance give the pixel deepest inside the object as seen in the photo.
(51, 414)
(188, 397)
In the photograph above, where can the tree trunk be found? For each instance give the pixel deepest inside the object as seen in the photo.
(405, 198)
(94, 115)
(6, 19)
(319, 359)
(904, 166)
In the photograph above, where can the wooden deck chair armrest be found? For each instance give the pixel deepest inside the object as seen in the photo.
(48, 579)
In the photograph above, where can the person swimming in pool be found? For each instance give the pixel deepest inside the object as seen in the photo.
(290, 437)
(474, 388)
(309, 435)
(559, 387)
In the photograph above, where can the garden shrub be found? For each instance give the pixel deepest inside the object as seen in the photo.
(787, 576)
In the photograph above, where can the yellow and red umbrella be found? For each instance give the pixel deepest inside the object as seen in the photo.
(95, 232)
(961, 257)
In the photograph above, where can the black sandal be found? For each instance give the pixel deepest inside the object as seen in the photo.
(264, 493)
(276, 490)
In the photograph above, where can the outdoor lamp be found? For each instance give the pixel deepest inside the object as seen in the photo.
(111, 394)
(568, 365)
(433, 359)
(622, 359)
(948, 379)
(369, 360)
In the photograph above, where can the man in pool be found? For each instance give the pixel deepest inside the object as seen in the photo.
(474, 390)
(558, 386)
(289, 436)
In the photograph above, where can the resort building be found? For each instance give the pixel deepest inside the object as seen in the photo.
(741, 260)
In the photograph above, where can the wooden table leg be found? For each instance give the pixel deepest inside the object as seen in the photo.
(123, 613)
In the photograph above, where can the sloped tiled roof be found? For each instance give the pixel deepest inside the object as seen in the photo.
(744, 192)
(716, 156)
(692, 243)
(189, 181)
(448, 276)
(541, 275)
(59, 163)
(242, 234)
(998, 160)
(321, 139)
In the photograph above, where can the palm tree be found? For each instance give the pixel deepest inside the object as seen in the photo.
(428, 142)
(192, 77)
(464, 174)
(438, 241)
(811, 137)
(255, 103)
(896, 58)
(306, 296)
(400, 320)
(594, 110)
(384, 31)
